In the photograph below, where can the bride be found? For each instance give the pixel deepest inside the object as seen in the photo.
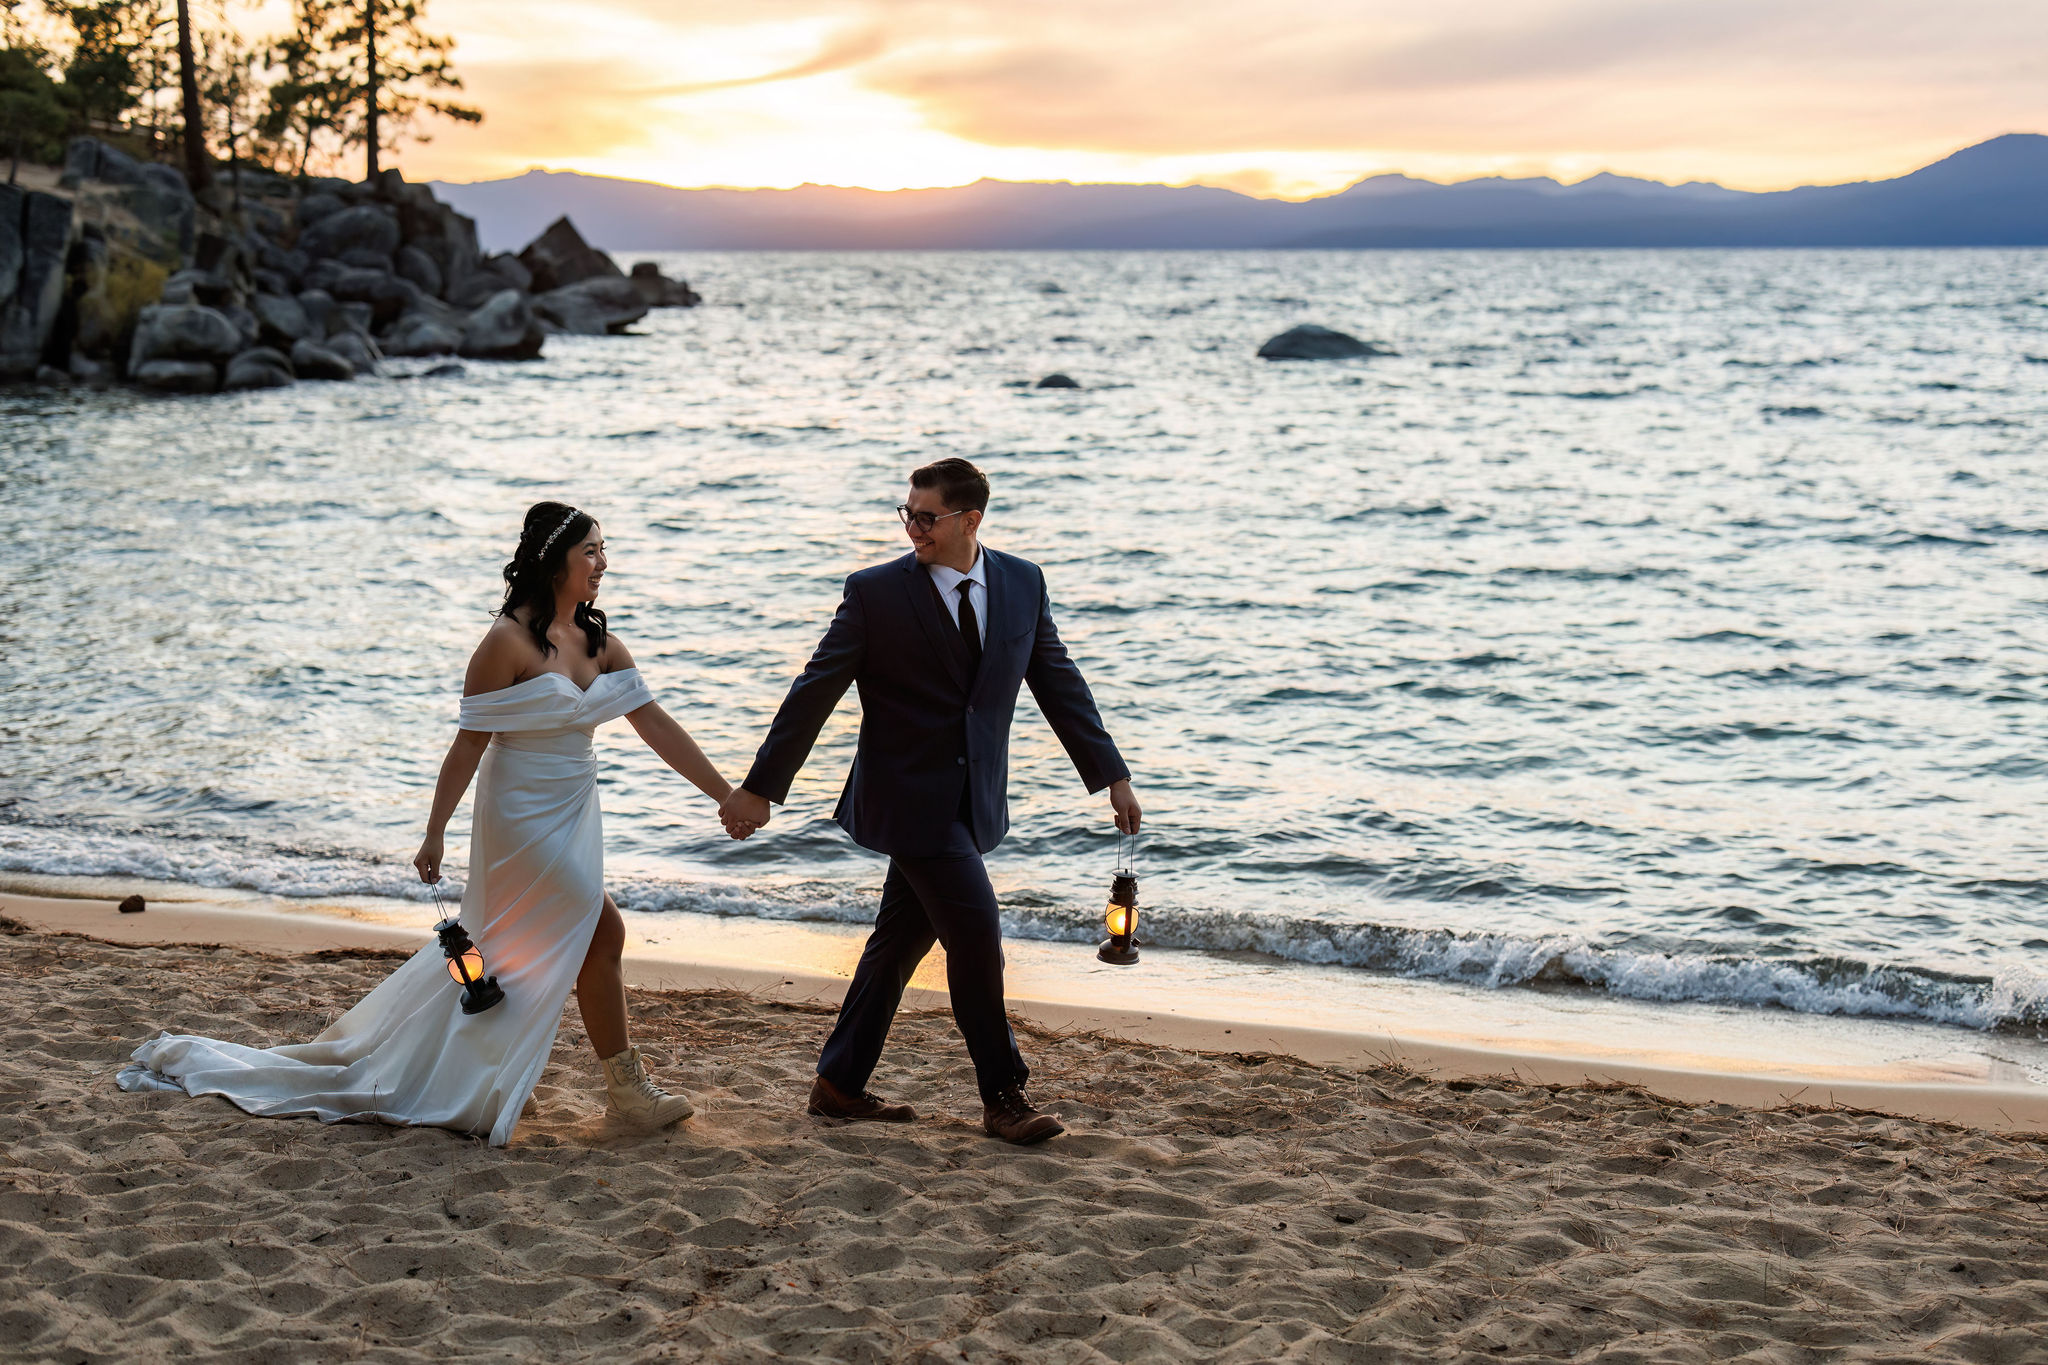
(547, 674)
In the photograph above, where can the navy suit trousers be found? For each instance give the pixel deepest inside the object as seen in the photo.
(944, 899)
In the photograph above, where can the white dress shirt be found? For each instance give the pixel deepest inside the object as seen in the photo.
(948, 581)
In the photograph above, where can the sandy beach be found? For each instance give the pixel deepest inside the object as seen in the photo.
(1207, 1205)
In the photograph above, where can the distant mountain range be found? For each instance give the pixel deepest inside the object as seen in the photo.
(1992, 194)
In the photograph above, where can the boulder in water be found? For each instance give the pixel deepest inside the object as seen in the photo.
(505, 328)
(1310, 342)
(260, 367)
(176, 376)
(659, 290)
(593, 307)
(182, 332)
(280, 321)
(560, 257)
(1057, 381)
(357, 349)
(311, 360)
(418, 335)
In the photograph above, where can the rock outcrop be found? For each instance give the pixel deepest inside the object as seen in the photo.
(311, 360)
(1310, 342)
(593, 307)
(560, 257)
(659, 290)
(290, 279)
(505, 328)
(36, 235)
(260, 367)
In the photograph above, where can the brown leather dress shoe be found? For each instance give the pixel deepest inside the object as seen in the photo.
(1011, 1117)
(828, 1101)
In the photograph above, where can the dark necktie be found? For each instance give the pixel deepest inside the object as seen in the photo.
(970, 627)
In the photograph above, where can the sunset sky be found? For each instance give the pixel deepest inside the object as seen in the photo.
(1290, 97)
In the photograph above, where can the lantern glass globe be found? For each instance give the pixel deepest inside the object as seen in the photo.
(1121, 919)
(468, 967)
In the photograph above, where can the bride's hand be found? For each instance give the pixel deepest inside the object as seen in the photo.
(428, 859)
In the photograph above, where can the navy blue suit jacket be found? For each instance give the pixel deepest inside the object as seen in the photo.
(927, 727)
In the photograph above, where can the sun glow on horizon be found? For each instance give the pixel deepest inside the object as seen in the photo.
(1257, 96)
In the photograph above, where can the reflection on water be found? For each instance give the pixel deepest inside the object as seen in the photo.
(1668, 622)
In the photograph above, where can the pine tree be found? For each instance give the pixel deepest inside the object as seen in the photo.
(377, 62)
(32, 116)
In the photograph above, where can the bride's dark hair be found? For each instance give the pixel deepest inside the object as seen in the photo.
(552, 530)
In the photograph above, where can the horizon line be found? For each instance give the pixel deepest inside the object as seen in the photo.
(1199, 184)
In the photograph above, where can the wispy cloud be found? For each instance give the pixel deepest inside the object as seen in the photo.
(1290, 94)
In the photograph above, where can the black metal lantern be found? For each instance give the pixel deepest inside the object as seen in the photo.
(1121, 947)
(466, 965)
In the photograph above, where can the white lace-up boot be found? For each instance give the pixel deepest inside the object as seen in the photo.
(636, 1098)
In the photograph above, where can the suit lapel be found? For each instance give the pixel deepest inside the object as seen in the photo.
(943, 635)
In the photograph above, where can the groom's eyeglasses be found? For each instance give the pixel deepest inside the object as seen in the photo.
(924, 521)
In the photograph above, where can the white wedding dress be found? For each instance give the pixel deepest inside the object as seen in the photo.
(407, 1053)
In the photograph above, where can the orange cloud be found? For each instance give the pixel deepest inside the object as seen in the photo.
(1294, 95)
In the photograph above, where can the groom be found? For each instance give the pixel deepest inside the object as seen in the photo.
(938, 642)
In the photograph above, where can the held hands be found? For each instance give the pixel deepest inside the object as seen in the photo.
(1123, 803)
(742, 812)
(428, 859)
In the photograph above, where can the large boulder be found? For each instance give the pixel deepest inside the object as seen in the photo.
(317, 205)
(349, 317)
(258, 368)
(209, 287)
(245, 323)
(593, 307)
(177, 376)
(560, 257)
(659, 290)
(364, 258)
(358, 350)
(167, 331)
(317, 304)
(505, 328)
(365, 227)
(311, 360)
(157, 195)
(36, 232)
(418, 334)
(387, 295)
(321, 275)
(281, 320)
(289, 262)
(417, 266)
(1310, 342)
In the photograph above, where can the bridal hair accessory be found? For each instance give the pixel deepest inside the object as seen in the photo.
(466, 962)
(556, 534)
(1121, 947)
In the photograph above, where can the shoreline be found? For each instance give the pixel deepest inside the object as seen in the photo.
(1190, 1002)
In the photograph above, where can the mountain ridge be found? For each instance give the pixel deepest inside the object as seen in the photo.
(1994, 193)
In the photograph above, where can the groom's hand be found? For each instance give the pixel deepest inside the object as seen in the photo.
(1123, 802)
(743, 812)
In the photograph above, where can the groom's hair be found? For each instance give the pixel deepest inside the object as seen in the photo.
(962, 485)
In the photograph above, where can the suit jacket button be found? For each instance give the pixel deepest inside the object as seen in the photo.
(970, 710)
(961, 762)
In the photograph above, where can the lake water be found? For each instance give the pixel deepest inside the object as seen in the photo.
(1667, 624)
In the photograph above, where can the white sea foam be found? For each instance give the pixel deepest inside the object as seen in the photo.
(2011, 996)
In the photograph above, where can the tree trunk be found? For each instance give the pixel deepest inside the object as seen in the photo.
(370, 81)
(198, 170)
